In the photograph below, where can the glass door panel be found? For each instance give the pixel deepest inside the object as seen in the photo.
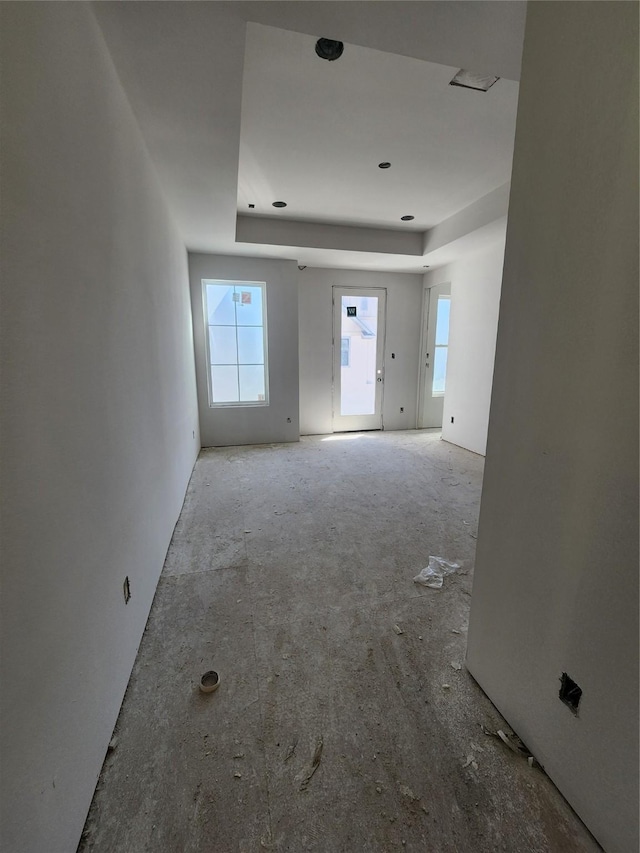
(358, 347)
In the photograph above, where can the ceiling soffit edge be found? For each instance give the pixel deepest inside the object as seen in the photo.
(270, 230)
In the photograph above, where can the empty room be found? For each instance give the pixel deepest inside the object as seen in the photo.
(319, 426)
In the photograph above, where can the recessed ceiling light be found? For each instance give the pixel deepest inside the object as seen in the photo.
(407, 218)
(279, 203)
(469, 80)
(384, 165)
(329, 49)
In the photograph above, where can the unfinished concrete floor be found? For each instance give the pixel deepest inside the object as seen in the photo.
(290, 573)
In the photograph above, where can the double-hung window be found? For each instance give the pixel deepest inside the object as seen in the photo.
(236, 325)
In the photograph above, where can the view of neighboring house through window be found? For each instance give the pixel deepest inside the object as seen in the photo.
(442, 345)
(236, 314)
(345, 348)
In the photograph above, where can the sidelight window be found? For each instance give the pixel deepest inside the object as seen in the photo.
(441, 346)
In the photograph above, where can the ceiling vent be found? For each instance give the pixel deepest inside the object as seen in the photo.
(469, 80)
(329, 49)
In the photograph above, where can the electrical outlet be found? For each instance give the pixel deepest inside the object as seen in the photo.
(126, 589)
(288, 420)
(451, 418)
(402, 408)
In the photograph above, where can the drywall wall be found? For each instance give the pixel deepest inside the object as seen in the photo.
(279, 421)
(556, 577)
(267, 230)
(99, 417)
(404, 294)
(474, 218)
(475, 299)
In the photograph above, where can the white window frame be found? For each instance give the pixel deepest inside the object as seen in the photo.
(228, 282)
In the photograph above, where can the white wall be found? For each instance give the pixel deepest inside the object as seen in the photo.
(404, 293)
(475, 298)
(98, 411)
(252, 424)
(267, 230)
(556, 577)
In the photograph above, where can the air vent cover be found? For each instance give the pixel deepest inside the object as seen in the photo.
(469, 80)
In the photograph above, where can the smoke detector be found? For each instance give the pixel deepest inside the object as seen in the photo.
(329, 49)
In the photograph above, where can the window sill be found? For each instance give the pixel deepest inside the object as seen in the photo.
(248, 405)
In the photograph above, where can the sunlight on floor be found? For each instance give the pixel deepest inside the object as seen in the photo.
(346, 436)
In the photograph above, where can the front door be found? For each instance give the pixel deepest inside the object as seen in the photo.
(358, 358)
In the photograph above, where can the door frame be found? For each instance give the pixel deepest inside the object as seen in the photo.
(381, 340)
(424, 334)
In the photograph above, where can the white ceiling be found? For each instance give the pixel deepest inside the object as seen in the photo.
(313, 133)
(182, 66)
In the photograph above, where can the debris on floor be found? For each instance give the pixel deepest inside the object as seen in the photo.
(455, 665)
(433, 575)
(290, 750)
(446, 687)
(447, 480)
(398, 629)
(315, 763)
(471, 762)
(210, 681)
(406, 791)
(514, 743)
